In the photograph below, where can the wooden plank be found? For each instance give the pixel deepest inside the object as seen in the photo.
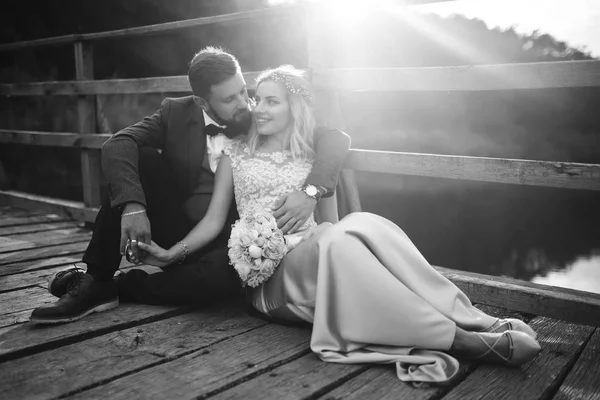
(20, 340)
(15, 318)
(86, 115)
(556, 74)
(68, 210)
(15, 230)
(86, 364)
(484, 169)
(25, 280)
(54, 139)
(303, 378)
(74, 252)
(582, 382)
(561, 303)
(203, 373)
(24, 299)
(271, 12)
(165, 84)
(8, 211)
(381, 382)
(561, 343)
(43, 239)
(41, 253)
(9, 221)
(539, 75)
(20, 301)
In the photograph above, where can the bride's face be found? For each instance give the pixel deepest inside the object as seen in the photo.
(271, 114)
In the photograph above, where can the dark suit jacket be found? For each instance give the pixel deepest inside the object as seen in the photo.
(177, 129)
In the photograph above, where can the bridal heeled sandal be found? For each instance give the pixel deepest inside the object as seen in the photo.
(521, 348)
(511, 324)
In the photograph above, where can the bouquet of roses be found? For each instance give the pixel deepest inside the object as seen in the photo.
(256, 246)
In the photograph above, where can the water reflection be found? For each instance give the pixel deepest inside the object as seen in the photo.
(582, 274)
(528, 233)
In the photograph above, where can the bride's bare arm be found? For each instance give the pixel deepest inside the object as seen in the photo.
(212, 224)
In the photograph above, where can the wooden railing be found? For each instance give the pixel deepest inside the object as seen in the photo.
(467, 78)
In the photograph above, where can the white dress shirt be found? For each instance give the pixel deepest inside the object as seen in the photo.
(214, 144)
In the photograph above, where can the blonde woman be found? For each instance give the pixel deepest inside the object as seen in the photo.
(369, 293)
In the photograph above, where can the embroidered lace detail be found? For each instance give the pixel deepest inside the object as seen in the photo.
(259, 180)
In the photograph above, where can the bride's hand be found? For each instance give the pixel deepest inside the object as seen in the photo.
(155, 255)
(317, 230)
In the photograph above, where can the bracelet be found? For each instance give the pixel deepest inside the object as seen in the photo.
(185, 251)
(133, 213)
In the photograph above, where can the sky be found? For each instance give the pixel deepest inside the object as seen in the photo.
(576, 22)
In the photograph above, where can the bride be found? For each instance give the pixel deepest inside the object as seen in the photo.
(369, 293)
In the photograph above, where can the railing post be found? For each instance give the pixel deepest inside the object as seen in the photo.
(321, 55)
(86, 112)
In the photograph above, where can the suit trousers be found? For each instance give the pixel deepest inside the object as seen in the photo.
(204, 276)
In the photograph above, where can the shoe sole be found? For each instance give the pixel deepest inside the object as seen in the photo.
(97, 309)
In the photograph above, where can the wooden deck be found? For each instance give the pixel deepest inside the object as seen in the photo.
(139, 351)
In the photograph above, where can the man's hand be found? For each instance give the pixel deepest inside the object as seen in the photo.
(292, 210)
(136, 228)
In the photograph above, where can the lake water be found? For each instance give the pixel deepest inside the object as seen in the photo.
(543, 235)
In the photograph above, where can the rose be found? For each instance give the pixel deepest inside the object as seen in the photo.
(274, 250)
(259, 241)
(243, 270)
(245, 241)
(268, 267)
(252, 234)
(266, 232)
(254, 251)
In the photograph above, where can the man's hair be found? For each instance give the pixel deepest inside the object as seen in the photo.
(211, 66)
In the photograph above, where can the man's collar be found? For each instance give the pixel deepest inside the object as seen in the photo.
(208, 120)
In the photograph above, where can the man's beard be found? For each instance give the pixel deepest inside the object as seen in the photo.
(239, 124)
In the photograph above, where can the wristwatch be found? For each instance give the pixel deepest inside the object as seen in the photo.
(312, 191)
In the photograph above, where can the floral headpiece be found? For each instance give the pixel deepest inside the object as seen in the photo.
(286, 81)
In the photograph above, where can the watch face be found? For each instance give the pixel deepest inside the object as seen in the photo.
(311, 190)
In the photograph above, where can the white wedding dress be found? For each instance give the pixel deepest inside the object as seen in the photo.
(369, 293)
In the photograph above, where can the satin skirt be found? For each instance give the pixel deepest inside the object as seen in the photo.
(372, 298)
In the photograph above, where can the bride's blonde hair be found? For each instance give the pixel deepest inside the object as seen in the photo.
(300, 99)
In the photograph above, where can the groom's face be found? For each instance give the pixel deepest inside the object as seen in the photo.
(228, 103)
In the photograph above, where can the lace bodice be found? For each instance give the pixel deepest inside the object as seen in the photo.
(259, 180)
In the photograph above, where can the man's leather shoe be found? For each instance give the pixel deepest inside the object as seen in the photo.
(59, 282)
(84, 296)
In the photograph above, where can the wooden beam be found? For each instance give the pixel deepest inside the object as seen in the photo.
(566, 304)
(54, 139)
(559, 74)
(86, 112)
(499, 170)
(541, 75)
(271, 12)
(177, 84)
(72, 209)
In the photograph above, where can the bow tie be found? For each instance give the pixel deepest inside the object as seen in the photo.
(213, 130)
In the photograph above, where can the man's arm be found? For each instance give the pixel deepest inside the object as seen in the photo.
(120, 155)
(293, 209)
(331, 149)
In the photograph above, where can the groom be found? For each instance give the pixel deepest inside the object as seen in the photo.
(160, 175)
